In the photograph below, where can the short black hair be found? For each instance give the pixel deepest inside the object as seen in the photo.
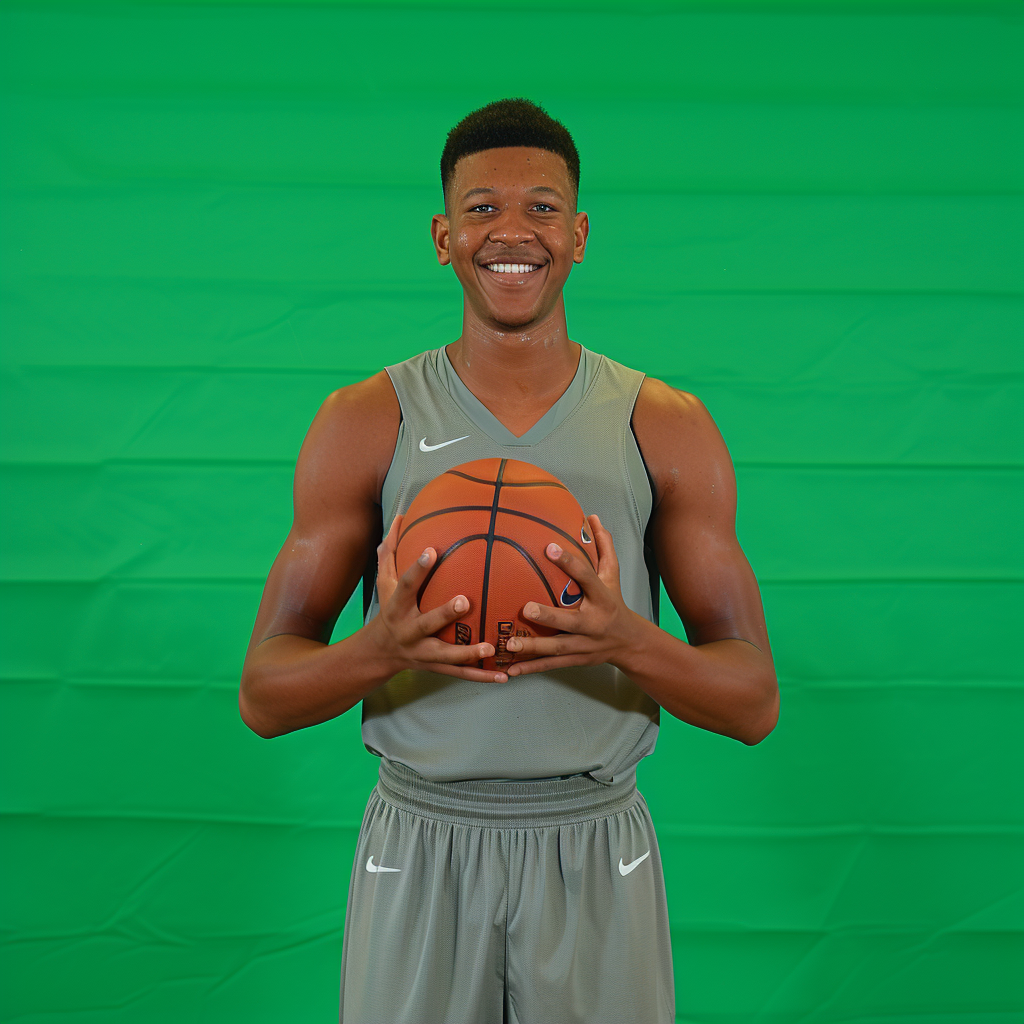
(511, 122)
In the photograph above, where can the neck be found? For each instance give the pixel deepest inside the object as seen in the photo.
(531, 360)
(518, 373)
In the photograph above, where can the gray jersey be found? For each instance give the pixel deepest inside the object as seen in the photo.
(571, 721)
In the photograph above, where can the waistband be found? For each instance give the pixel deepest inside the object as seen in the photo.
(505, 804)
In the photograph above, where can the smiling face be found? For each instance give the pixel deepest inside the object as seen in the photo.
(511, 234)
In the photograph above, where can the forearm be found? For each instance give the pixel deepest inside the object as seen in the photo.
(727, 686)
(290, 682)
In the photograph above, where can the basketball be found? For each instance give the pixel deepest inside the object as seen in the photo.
(490, 522)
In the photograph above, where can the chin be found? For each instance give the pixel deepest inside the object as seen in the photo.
(514, 322)
(515, 318)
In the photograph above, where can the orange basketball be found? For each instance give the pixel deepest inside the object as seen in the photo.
(490, 522)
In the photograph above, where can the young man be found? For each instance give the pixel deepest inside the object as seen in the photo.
(507, 868)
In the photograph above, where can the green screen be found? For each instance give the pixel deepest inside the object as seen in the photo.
(807, 214)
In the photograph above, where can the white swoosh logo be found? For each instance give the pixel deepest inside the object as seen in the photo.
(424, 447)
(624, 869)
(370, 866)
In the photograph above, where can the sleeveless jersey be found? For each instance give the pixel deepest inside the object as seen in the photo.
(572, 721)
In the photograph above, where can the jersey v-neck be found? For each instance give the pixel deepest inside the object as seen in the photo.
(485, 420)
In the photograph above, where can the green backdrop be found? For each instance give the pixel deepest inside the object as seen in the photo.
(808, 214)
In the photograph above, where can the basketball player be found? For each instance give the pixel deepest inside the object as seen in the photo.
(507, 868)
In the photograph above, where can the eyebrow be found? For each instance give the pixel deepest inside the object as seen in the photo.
(534, 189)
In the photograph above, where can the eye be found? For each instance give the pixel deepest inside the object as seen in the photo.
(482, 206)
(548, 207)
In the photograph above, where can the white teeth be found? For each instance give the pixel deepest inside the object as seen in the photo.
(511, 268)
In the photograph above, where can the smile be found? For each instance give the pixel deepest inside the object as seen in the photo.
(510, 268)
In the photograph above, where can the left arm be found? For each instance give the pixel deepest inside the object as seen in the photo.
(724, 679)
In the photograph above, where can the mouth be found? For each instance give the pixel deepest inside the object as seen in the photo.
(511, 268)
(512, 273)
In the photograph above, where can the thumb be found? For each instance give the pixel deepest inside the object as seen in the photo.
(608, 561)
(387, 571)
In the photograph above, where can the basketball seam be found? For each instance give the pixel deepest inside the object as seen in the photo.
(533, 565)
(497, 537)
(501, 508)
(440, 558)
(442, 512)
(490, 546)
(544, 522)
(525, 483)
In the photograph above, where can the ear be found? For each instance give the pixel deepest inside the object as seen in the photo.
(581, 229)
(441, 232)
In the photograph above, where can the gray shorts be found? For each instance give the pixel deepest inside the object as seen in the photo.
(506, 903)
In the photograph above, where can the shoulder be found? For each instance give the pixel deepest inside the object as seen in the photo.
(678, 439)
(659, 402)
(351, 441)
(366, 401)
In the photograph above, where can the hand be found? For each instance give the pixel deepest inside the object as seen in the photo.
(599, 629)
(407, 633)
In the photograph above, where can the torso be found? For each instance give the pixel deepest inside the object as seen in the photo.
(659, 424)
(578, 720)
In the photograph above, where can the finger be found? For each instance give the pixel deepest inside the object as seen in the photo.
(530, 647)
(564, 620)
(573, 566)
(525, 668)
(394, 532)
(412, 579)
(389, 544)
(434, 650)
(386, 552)
(453, 659)
(607, 559)
(474, 675)
(436, 619)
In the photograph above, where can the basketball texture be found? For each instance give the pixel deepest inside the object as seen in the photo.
(490, 522)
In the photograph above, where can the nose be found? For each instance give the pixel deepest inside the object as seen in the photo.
(512, 227)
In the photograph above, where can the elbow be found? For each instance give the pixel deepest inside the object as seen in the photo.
(250, 713)
(763, 722)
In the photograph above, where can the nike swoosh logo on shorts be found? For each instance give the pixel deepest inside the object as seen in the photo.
(624, 869)
(370, 866)
(424, 447)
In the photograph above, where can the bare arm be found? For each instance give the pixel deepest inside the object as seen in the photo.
(724, 679)
(292, 677)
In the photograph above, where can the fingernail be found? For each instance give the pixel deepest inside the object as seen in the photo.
(514, 645)
(499, 678)
(554, 551)
(461, 604)
(486, 650)
(424, 558)
(531, 611)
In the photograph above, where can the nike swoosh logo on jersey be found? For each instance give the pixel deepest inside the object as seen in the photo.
(624, 869)
(424, 447)
(370, 866)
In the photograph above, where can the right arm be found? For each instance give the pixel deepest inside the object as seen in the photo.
(292, 676)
